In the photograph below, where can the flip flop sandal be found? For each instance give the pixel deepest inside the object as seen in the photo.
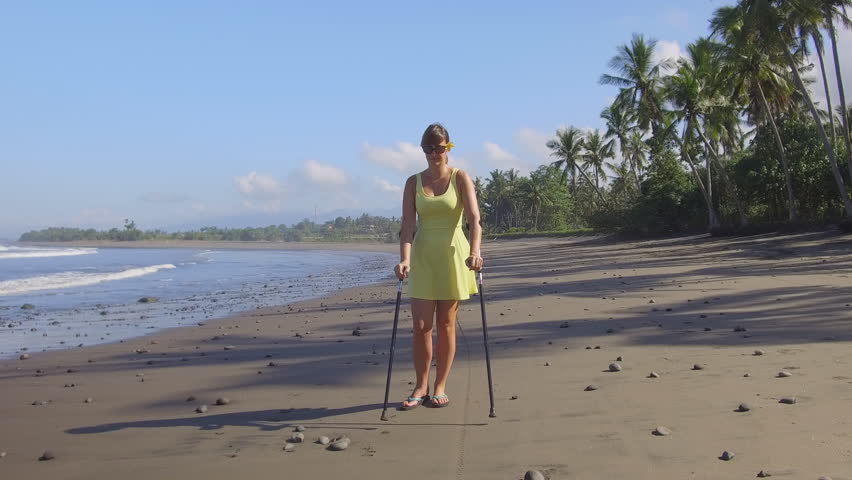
(434, 404)
(417, 402)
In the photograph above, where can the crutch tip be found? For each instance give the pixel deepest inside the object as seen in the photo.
(492, 415)
(384, 417)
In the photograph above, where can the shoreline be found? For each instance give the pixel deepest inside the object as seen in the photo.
(663, 306)
(207, 244)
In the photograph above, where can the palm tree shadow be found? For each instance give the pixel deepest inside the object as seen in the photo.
(264, 420)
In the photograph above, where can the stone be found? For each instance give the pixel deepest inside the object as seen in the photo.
(662, 432)
(726, 456)
(564, 325)
(24, 356)
(740, 328)
(788, 400)
(513, 397)
(697, 367)
(339, 444)
(300, 428)
(229, 347)
(619, 359)
(784, 374)
(758, 353)
(614, 367)
(148, 300)
(824, 478)
(201, 409)
(289, 447)
(323, 440)
(2, 454)
(89, 400)
(47, 455)
(190, 398)
(27, 306)
(546, 364)
(297, 437)
(223, 401)
(357, 333)
(591, 388)
(763, 474)
(534, 475)
(653, 375)
(743, 407)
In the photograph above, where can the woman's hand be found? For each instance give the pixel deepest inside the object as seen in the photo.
(474, 262)
(401, 270)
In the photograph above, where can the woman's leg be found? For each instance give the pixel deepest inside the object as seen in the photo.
(422, 312)
(446, 319)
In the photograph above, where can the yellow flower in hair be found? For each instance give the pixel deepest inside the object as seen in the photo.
(450, 146)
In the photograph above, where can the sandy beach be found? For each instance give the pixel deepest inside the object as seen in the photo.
(716, 319)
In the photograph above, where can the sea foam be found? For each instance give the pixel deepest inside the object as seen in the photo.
(7, 252)
(73, 279)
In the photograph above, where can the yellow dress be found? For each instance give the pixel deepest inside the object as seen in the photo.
(438, 271)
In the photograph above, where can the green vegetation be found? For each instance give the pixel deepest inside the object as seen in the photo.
(726, 138)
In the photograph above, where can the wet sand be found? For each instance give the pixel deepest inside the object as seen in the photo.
(664, 306)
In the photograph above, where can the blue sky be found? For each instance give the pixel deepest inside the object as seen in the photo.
(187, 113)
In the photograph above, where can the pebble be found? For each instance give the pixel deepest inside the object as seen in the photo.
(546, 364)
(740, 328)
(564, 325)
(357, 333)
(697, 367)
(300, 428)
(323, 440)
(297, 438)
(47, 455)
(763, 474)
(653, 375)
(88, 400)
(229, 347)
(619, 359)
(201, 409)
(824, 478)
(533, 475)
(591, 388)
(747, 375)
(289, 447)
(614, 367)
(223, 401)
(190, 398)
(758, 353)
(784, 374)
(24, 356)
(788, 400)
(726, 455)
(148, 300)
(662, 432)
(743, 407)
(340, 444)
(2, 454)
(513, 397)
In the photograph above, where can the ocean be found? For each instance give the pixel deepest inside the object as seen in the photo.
(88, 296)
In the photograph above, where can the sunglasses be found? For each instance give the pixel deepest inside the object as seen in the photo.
(434, 148)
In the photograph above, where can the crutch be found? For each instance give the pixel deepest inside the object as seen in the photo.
(393, 346)
(485, 337)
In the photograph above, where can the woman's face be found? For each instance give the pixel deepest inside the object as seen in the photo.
(436, 153)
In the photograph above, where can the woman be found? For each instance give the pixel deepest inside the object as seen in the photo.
(439, 260)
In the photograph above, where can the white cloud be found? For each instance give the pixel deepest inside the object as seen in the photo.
(406, 157)
(386, 186)
(534, 142)
(676, 17)
(259, 185)
(324, 174)
(667, 50)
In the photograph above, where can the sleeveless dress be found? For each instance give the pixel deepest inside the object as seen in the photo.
(438, 271)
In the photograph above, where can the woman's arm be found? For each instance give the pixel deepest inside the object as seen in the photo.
(471, 213)
(409, 224)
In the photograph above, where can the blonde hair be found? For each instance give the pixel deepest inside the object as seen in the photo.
(435, 134)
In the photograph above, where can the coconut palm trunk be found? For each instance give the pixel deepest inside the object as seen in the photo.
(711, 210)
(819, 50)
(732, 188)
(844, 116)
(791, 198)
(838, 178)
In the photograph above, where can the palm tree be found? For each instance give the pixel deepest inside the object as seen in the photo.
(780, 31)
(753, 72)
(597, 152)
(537, 196)
(698, 90)
(568, 150)
(618, 127)
(639, 78)
(637, 152)
(835, 9)
(496, 194)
